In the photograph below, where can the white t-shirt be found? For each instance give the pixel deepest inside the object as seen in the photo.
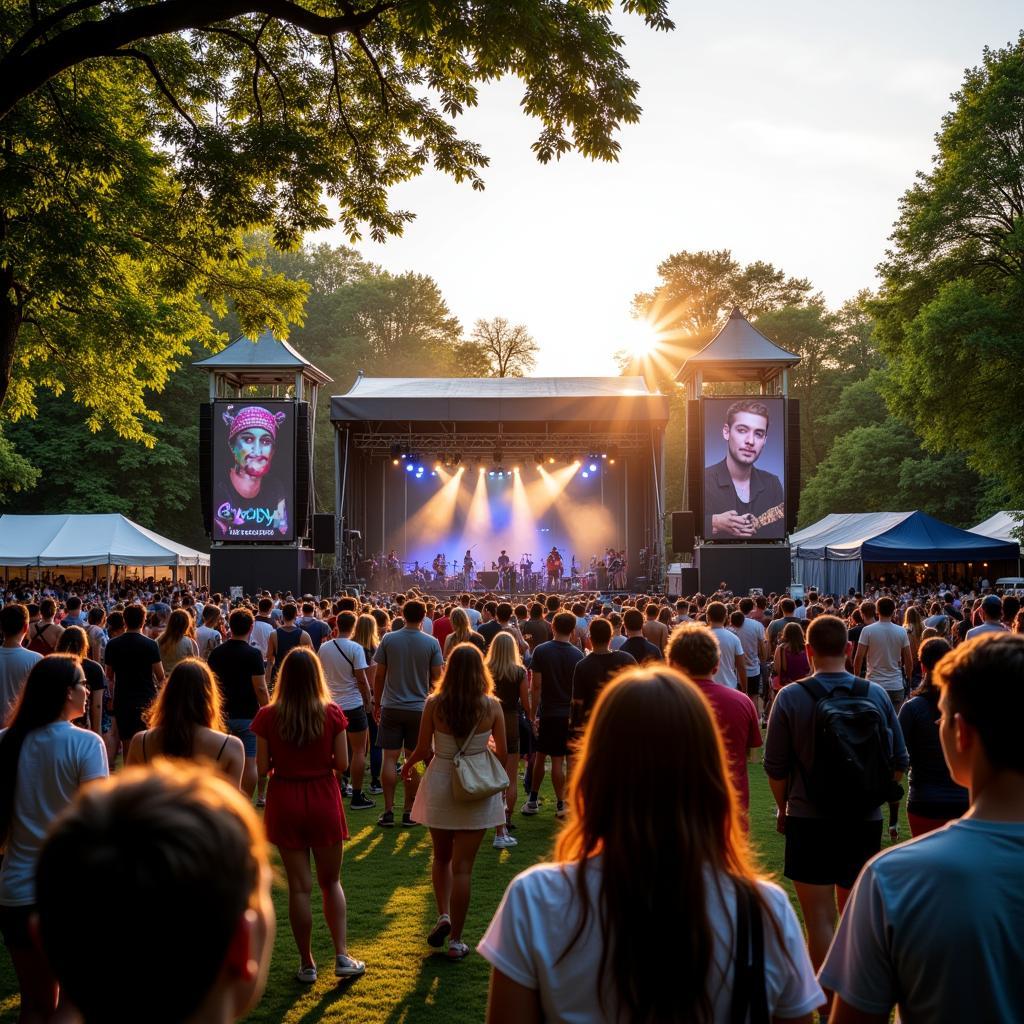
(341, 673)
(985, 627)
(730, 646)
(206, 639)
(884, 642)
(751, 636)
(474, 616)
(536, 920)
(259, 636)
(15, 665)
(54, 762)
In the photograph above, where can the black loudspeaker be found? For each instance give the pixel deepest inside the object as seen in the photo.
(601, 574)
(694, 467)
(206, 465)
(303, 469)
(323, 533)
(792, 463)
(689, 581)
(314, 581)
(682, 531)
(487, 578)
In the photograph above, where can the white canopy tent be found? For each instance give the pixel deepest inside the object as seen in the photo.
(1000, 526)
(89, 540)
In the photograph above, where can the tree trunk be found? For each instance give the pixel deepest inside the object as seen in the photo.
(10, 324)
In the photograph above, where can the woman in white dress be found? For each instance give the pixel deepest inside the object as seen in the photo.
(463, 706)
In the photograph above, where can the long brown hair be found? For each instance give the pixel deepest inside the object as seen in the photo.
(179, 625)
(301, 698)
(366, 634)
(464, 688)
(189, 700)
(793, 637)
(656, 843)
(461, 626)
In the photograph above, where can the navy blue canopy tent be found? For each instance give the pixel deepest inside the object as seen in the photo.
(830, 555)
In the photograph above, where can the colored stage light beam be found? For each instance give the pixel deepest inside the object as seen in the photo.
(437, 515)
(478, 518)
(543, 493)
(522, 535)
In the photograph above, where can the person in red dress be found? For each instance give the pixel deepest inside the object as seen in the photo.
(300, 743)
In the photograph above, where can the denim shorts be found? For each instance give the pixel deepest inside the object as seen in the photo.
(240, 727)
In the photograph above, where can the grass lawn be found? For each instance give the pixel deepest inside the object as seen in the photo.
(387, 881)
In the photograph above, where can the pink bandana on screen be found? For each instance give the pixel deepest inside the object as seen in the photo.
(252, 416)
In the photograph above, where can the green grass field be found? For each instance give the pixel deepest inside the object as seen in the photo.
(387, 882)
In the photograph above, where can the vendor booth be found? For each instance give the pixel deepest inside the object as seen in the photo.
(839, 552)
(58, 543)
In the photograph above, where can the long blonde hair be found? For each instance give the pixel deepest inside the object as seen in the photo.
(463, 690)
(179, 626)
(366, 634)
(301, 698)
(461, 626)
(503, 657)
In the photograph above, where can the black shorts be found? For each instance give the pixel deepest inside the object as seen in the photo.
(14, 926)
(754, 685)
(822, 851)
(129, 722)
(357, 721)
(399, 728)
(553, 736)
(511, 731)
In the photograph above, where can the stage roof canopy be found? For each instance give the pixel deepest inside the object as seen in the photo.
(108, 539)
(1001, 526)
(487, 400)
(739, 351)
(895, 537)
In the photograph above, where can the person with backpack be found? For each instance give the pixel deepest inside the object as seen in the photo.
(833, 754)
(936, 926)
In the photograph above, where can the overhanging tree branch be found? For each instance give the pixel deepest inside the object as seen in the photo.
(158, 78)
(25, 68)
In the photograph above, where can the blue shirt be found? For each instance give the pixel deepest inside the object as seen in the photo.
(936, 926)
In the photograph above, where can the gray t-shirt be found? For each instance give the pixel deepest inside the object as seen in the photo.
(985, 627)
(409, 655)
(789, 745)
(937, 925)
(15, 665)
(750, 634)
(883, 663)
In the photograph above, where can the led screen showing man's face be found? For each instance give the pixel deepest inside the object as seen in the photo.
(744, 468)
(253, 476)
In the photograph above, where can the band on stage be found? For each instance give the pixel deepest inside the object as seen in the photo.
(505, 575)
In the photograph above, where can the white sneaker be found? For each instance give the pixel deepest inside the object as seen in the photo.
(530, 807)
(504, 842)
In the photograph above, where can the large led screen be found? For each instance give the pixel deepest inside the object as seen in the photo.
(744, 468)
(253, 465)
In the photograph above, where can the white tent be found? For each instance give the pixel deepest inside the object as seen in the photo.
(1000, 526)
(66, 540)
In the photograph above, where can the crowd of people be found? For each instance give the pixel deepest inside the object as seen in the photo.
(144, 733)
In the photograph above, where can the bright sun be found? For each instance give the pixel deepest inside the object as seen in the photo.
(641, 338)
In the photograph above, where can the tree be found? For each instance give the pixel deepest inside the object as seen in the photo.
(698, 290)
(508, 349)
(140, 139)
(951, 307)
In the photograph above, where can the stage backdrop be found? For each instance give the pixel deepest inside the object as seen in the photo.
(744, 433)
(253, 471)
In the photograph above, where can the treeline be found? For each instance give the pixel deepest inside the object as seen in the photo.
(357, 317)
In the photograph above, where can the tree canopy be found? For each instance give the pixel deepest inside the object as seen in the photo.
(506, 349)
(140, 140)
(951, 307)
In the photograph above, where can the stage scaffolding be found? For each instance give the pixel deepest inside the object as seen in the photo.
(500, 422)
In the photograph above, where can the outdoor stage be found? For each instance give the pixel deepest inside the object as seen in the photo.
(429, 466)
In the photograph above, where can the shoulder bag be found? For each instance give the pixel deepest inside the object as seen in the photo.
(476, 776)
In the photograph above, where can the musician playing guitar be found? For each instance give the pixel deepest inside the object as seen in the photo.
(440, 567)
(740, 500)
(467, 568)
(554, 566)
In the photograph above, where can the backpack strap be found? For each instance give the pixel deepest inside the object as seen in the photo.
(351, 663)
(813, 687)
(860, 688)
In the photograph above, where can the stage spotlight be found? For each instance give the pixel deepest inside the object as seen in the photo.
(551, 460)
(593, 467)
(491, 473)
(437, 465)
(604, 455)
(395, 462)
(515, 469)
(433, 472)
(611, 461)
(586, 475)
(409, 467)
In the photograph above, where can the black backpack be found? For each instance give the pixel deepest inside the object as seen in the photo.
(851, 770)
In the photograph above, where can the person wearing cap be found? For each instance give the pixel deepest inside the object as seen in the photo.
(249, 503)
(991, 618)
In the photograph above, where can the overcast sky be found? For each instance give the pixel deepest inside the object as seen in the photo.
(785, 132)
